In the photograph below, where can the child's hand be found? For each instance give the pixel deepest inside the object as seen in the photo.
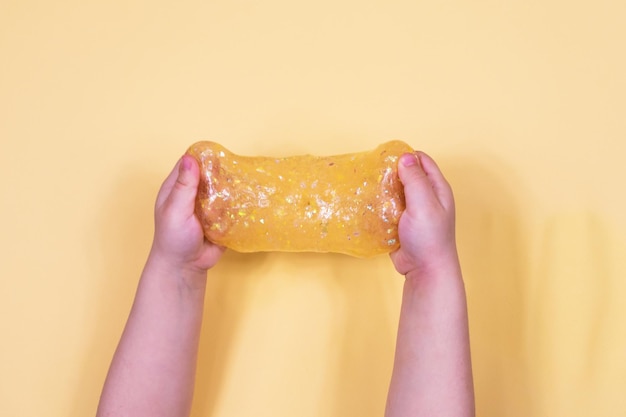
(178, 238)
(426, 228)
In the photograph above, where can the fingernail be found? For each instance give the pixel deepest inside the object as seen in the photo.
(408, 159)
(185, 164)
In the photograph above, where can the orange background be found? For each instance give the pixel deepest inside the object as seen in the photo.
(522, 103)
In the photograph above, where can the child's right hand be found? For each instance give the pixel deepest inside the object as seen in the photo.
(426, 228)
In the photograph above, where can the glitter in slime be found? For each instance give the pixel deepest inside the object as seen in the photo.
(348, 203)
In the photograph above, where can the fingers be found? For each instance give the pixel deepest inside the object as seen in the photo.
(179, 189)
(439, 184)
(181, 198)
(416, 183)
(168, 184)
(423, 181)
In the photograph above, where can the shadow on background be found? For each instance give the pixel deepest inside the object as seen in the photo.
(231, 284)
(365, 296)
(351, 374)
(574, 317)
(493, 261)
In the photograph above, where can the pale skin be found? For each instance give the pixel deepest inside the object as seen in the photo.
(432, 373)
(153, 370)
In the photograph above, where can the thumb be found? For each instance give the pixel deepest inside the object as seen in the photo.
(183, 194)
(416, 183)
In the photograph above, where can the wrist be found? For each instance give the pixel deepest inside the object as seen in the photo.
(185, 277)
(439, 268)
(441, 286)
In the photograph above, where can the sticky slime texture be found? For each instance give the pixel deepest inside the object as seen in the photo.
(347, 203)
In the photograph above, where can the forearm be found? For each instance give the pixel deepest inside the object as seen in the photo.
(432, 370)
(153, 369)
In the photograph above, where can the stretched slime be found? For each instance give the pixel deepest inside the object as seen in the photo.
(348, 203)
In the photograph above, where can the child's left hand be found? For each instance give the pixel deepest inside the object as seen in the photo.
(178, 238)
